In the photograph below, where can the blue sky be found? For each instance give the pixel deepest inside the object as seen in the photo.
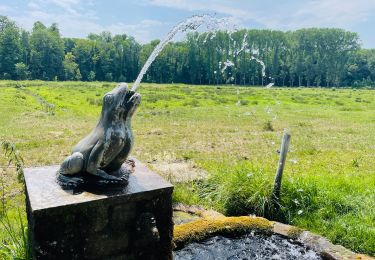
(152, 19)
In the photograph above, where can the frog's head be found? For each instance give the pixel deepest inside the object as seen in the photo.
(121, 102)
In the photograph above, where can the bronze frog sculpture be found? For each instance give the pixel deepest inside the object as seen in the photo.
(97, 160)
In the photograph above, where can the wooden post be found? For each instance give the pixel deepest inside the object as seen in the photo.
(280, 168)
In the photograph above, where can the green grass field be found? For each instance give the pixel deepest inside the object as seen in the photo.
(230, 136)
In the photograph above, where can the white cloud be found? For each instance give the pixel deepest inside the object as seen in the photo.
(280, 15)
(74, 24)
(325, 13)
(142, 31)
(67, 5)
(191, 5)
(72, 7)
(234, 13)
(76, 18)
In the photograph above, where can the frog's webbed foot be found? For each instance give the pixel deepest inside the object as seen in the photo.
(106, 179)
(68, 182)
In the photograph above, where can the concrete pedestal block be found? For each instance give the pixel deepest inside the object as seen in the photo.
(133, 223)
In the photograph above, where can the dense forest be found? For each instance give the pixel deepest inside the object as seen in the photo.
(306, 57)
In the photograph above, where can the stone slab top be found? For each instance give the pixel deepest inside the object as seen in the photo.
(43, 192)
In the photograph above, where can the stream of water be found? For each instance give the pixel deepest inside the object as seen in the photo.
(254, 247)
(212, 25)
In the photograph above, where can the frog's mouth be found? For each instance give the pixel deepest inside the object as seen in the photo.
(131, 99)
(131, 102)
(134, 100)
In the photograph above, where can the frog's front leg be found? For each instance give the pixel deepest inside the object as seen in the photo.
(96, 156)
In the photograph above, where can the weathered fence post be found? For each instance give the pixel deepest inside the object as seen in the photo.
(280, 168)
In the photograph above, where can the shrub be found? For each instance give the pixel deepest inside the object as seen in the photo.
(91, 76)
(244, 102)
(268, 126)
(22, 71)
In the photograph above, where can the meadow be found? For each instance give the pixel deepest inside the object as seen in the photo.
(218, 145)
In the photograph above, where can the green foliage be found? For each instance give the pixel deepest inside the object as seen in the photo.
(15, 245)
(306, 57)
(323, 190)
(47, 52)
(22, 71)
(108, 76)
(14, 242)
(91, 76)
(13, 158)
(268, 126)
(241, 189)
(71, 69)
(10, 48)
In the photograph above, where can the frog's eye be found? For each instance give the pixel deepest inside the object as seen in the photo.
(108, 99)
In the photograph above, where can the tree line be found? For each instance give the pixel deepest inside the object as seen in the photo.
(305, 57)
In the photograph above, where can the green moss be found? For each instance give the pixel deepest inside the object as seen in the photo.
(295, 232)
(203, 228)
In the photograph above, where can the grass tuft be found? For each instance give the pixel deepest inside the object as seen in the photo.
(15, 244)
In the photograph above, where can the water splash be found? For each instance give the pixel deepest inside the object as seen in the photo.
(227, 64)
(261, 63)
(212, 24)
(192, 23)
(244, 45)
(249, 246)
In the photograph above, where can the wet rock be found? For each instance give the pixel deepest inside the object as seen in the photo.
(180, 217)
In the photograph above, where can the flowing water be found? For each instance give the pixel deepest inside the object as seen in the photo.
(249, 246)
(244, 47)
(261, 63)
(212, 25)
(227, 64)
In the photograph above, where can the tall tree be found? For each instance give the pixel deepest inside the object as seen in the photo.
(10, 48)
(47, 52)
(71, 69)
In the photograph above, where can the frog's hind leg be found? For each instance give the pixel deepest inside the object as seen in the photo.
(68, 176)
(72, 164)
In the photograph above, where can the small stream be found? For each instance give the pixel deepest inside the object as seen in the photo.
(245, 247)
